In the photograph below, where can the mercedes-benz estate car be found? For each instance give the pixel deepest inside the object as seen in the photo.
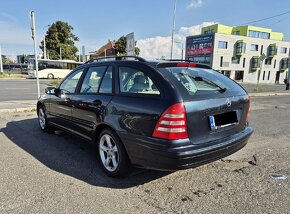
(166, 115)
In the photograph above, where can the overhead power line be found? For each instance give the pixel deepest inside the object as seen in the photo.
(271, 17)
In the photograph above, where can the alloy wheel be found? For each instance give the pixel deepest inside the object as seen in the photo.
(109, 153)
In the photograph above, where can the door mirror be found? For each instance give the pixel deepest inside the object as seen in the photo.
(50, 90)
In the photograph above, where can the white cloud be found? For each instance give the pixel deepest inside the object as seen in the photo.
(157, 47)
(194, 4)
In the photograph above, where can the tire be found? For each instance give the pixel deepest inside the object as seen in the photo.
(112, 155)
(42, 121)
(50, 76)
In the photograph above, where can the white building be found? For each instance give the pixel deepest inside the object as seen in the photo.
(242, 52)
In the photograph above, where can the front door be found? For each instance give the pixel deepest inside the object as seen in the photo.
(61, 104)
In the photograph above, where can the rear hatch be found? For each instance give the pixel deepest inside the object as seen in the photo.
(216, 106)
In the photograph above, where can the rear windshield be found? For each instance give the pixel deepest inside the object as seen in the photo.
(203, 81)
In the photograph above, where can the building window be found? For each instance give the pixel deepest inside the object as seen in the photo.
(268, 75)
(272, 50)
(240, 47)
(283, 50)
(275, 63)
(235, 60)
(284, 64)
(244, 62)
(237, 32)
(268, 61)
(257, 34)
(264, 75)
(254, 47)
(223, 45)
(221, 62)
(262, 49)
(255, 63)
(209, 32)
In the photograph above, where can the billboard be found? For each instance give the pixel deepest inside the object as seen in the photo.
(199, 45)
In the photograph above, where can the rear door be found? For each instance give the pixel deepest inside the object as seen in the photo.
(90, 104)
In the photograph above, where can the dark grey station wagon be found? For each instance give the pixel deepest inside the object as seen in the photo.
(166, 115)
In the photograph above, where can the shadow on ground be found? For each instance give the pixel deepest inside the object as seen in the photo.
(70, 155)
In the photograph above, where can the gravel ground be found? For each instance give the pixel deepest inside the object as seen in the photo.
(42, 173)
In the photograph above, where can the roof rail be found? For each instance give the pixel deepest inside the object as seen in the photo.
(97, 59)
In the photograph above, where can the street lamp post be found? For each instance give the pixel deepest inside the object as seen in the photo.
(173, 30)
(35, 50)
(1, 64)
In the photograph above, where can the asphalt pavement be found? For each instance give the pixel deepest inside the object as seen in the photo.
(44, 173)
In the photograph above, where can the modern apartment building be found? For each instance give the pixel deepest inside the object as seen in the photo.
(242, 53)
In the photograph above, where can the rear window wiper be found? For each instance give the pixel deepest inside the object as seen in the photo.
(222, 90)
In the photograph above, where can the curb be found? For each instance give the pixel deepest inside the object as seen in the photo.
(269, 94)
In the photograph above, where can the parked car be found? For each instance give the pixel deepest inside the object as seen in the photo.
(166, 115)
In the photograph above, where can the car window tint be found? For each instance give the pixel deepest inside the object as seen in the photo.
(92, 79)
(70, 83)
(135, 81)
(106, 85)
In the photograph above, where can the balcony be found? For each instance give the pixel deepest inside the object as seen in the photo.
(284, 64)
(240, 48)
(272, 50)
(255, 63)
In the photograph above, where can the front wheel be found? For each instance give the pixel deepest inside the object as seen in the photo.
(112, 154)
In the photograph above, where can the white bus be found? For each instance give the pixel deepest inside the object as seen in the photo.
(51, 68)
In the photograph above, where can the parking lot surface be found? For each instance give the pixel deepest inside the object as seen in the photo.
(43, 173)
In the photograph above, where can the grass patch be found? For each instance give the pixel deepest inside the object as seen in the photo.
(10, 75)
(54, 82)
(31, 110)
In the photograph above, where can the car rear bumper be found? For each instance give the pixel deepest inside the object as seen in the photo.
(151, 154)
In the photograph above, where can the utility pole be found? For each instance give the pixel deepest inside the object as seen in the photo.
(1, 64)
(288, 78)
(173, 30)
(32, 22)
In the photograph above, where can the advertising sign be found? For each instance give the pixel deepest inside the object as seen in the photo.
(199, 45)
(130, 48)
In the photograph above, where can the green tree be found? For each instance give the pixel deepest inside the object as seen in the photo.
(120, 46)
(59, 36)
(6, 60)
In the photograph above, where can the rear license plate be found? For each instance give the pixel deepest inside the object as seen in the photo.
(223, 120)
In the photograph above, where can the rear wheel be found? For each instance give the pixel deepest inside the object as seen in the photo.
(50, 76)
(42, 120)
(112, 154)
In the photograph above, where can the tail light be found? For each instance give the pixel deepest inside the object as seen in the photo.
(248, 113)
(172, 123)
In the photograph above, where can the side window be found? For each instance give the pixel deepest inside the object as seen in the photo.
(135, 81)
(106, 85)
(70, 83)
(92, 80)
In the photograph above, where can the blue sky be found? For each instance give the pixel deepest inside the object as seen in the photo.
(95, 21)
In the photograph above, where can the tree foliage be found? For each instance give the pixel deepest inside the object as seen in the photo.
(6, 60)
(59, 36)
(120, 46)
